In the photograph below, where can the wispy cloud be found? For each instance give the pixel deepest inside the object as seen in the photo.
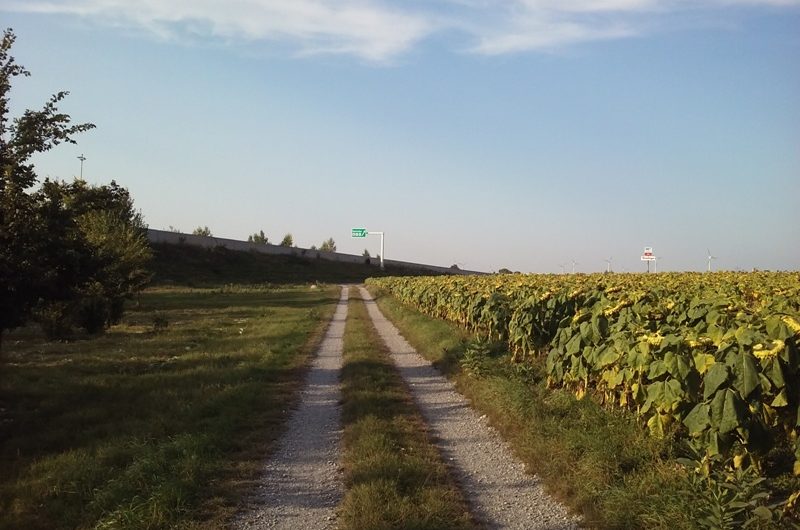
(379, 30)
(363, 28)
(529, 25)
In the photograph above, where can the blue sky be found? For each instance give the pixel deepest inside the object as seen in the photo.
(522, 134)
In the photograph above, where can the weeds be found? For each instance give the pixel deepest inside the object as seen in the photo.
(723, 496)
(475, 358)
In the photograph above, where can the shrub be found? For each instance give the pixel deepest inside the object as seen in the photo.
(55, 320)
(93, 309)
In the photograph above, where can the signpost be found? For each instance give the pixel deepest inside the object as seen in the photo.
(648, 256)
(362, 232)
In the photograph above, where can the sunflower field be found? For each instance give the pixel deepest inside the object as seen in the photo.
(709, 356)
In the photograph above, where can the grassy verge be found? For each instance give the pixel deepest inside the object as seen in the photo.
(197, 266)
(600, 462)
(160, 422)
(394, 475)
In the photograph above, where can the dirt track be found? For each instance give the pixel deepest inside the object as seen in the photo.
(301, 486)
(499, 491)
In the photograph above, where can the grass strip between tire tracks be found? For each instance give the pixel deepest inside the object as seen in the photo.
(599, 462)
(394, 475)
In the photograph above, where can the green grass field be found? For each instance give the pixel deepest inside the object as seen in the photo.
(162, 421)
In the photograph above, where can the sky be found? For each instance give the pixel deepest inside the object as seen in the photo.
(519, 134)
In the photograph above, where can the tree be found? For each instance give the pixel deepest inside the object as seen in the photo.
(365, 253)
(99, 242)
(31, 259)
(122, 254)
(70, 253)
(287, 240)
(202, 231)
(328, 246)
(259, 238)
(64, 262)
(117, 235)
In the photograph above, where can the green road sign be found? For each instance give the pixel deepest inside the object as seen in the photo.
(359, 232)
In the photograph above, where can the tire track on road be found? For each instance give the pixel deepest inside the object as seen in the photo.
(301, 485)
(499, 491)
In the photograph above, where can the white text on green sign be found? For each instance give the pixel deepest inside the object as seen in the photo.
(359, 232)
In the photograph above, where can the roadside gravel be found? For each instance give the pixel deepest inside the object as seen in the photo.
(499, 491)
(301, 484)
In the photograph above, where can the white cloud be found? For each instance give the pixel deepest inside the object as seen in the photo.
(379, 30)
(358, 27)
(544, 34)
(589, 6)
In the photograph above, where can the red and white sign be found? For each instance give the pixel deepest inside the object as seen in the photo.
(648, 254)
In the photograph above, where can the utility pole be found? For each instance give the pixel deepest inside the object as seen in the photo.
(81, 158)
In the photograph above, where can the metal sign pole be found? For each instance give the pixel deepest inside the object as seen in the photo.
(362, 232)
(648, 256)
(379, 234)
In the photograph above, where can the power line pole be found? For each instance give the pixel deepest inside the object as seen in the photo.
(81, 158)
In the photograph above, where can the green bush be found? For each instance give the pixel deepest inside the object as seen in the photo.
(55, 320)
(93, 309)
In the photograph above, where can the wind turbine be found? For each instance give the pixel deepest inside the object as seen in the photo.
(710, 257)
(573, 266)
(608, 264)
(562, 267)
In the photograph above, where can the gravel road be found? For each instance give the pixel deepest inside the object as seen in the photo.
(499, 491)
(301, 485)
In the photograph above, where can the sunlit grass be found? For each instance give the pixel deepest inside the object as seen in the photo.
(151, 426)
